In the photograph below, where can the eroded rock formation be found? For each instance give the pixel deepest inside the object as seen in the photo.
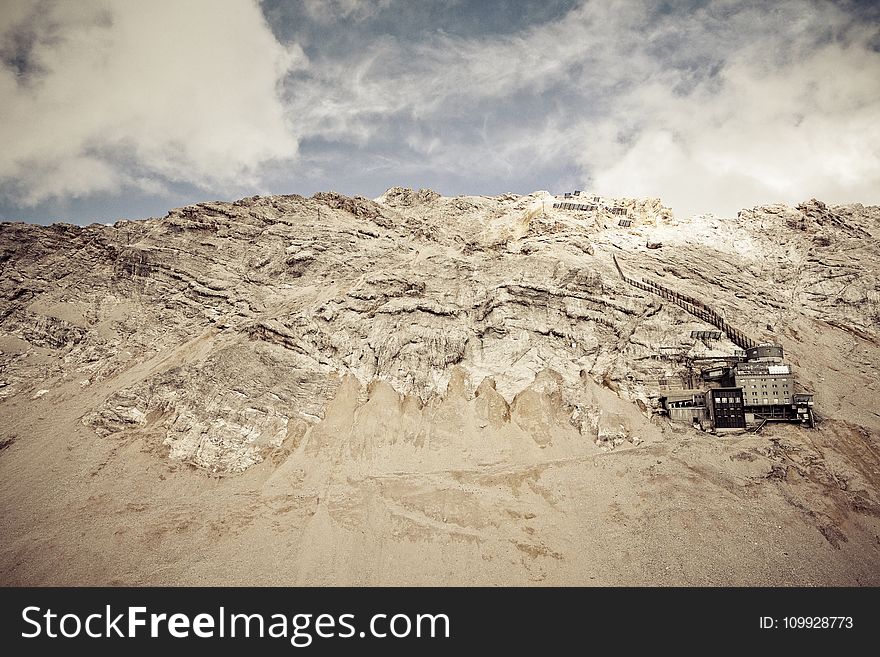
(224, 329)
(428, 389)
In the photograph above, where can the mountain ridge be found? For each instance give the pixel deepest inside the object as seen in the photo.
(312, 347)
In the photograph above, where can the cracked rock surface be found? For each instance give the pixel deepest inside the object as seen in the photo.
(465, 387)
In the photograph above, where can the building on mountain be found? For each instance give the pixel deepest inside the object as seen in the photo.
(687, 406)
(758, 387)
(726, 406)
(768, 386)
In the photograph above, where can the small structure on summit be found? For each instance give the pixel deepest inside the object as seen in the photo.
(593, 204)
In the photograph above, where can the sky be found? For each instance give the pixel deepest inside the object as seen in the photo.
(116, 109)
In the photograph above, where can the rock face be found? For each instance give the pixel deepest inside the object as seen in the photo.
(228, 326)
(418, 332)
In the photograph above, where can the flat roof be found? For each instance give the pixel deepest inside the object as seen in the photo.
(750, 368)
(680, 395)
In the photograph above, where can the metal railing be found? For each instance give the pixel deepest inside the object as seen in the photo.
(691, 305)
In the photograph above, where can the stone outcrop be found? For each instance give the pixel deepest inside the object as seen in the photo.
(223, 332)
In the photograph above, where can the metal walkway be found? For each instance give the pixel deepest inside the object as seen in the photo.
(691, 305)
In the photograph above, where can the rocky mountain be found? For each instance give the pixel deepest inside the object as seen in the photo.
(422, 389)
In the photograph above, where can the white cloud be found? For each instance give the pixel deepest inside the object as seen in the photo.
(723, 106)
(351, 97)
(726, 106)
(788, 116)
(326, 11)
(96, 96)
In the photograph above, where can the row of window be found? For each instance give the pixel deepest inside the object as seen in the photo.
(766, 400)
(737, 402)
